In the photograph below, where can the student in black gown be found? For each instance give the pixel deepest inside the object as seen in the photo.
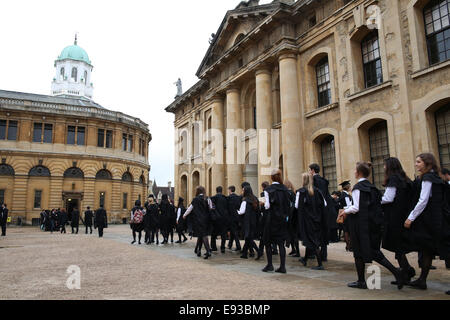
(249, 210)
(365, 219)
(88, 216)
(234, 203)
(293, 240)
(62, 220)
(345, 202)
(100, 220)
(201, 220)
(167, 211)
(310, 204)
(152, 209)
(220, 225)
(277, 204)
(397, 205)
(428, 221)
(328, 214)
(261, 223)
(336, 195)
(180, 222)
(75, 223)
(137, 221)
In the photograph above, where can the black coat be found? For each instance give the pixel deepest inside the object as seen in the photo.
(395, 236)
(3, 216)
(166, 218)
(201, 221)
(100, 218)
(153, 216)
(62, 218)
(75, 223)
(250, 220)
(276, 225)
(310, 216)
(234, 203)
(366, 225)
(430, 230)
(292, 221)
(329, 214)
(88, 216)
(221, 224)
(181, 225)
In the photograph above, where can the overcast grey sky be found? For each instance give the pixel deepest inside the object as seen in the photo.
(139, 48)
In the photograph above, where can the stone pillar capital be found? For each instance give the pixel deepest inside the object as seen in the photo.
(263, 70)
(217, 99)
(287, 54)
(233, 89)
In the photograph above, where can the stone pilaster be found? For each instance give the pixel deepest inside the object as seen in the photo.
(116, 200)
(89, 193)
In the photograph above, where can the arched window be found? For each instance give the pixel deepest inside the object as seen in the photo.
(370, 48)
(142, 180)
(75, 74)
(443, 134)
(76, 173)
(437, 29)
(379, 151)
(6, 170)
(323, 82)
(103, 175)
(62, 73)
(85, 77)
(328, 151)
(126, 177)
(39, 171)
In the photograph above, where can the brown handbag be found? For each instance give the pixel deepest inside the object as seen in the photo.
(341, 218)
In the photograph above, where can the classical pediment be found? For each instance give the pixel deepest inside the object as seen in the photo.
(235, 26)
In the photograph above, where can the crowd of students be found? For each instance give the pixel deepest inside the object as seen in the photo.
(411, 216)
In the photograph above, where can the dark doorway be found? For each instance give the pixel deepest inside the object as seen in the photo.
(71, 205)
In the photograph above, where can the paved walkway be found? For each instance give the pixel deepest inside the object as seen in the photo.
(33, 265)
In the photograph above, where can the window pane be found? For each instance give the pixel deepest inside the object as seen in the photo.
(102, 199)
(12, 130)
(48, 133)
(379, 151)
(101, 138)
(2, 129)
(443, 132)
(80, 136)
(2, 196)
(108, 139)
(37, 199)
(124, 142)
(125, 198)
(130, 143)
(71, 135)
(37, 132)
(329, 162)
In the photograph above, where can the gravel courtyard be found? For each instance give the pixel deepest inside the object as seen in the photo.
(33, 265)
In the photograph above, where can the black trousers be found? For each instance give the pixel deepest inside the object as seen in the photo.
(87, 229)
(100, 232)
(234, 235)
(73, 230)
(3, 230)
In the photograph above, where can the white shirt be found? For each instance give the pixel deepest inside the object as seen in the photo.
(425, 195)
(241, 211)
(191, 207)
(297, 199)
(266, 198)
(353, 209)
(178, 214)
(389, 195)
(347, 200)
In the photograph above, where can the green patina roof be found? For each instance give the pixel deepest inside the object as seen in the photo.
(74, 52)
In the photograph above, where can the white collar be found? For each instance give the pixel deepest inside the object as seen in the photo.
(275, 183)
(362, 179)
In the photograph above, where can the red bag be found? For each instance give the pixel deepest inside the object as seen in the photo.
(138, 217)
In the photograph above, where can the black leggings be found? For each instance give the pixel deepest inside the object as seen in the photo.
(317, 251)
(282, 252)
(202, 241)
(249, 245)
(134, 235)
(379, 258)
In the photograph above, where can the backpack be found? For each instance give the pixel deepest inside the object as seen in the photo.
(138, 216)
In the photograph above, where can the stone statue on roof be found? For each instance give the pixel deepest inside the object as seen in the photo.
(179, 88)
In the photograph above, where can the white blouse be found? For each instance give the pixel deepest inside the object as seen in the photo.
(241, 211)
(178, 214)
(389, 195)
(353, 209)
(191, 207)
(297, 199)
(425, 195)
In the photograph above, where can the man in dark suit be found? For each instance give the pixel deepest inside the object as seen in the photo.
(328, 214)
(88, 215)
(75, 222)
(221, 225)
(100, 220)
(234, 203)
(3, 218)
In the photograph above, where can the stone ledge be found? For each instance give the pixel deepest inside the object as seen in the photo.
(367, 91)
(322, 109)
(430, 69)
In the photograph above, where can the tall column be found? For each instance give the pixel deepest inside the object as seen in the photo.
(291, 130)
(264, 123)
(234, 168)
(116, 203)
(56, 186)
(217, 136)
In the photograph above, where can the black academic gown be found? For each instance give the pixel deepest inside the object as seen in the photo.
(249, 226)
(62, 218)
(276, 225)
(328, 213)
(310, 217)
(154, 216)
(75, 223)
(292, 221)
(234, 203)
(201, 220)
(366, 225)
(342, 205)
(167, 211)
(430, 230)
(395, 236)
(100, 218)
(181, 225)
(88, 216)
(221, 224)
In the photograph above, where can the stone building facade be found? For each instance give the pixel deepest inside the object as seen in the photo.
(67, 151)
(337, 81)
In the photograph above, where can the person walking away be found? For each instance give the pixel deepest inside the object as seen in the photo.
(277, 203)
(200, 209)
(345, 202)
(167, 210)
(234, 204)
(63, 218)
(365, 224)
(88, 216)
(153, 210)
(3, 218)
(75, 223)
(292, 222)
(249, 210)
(181, 223)
(137, 220)
(100, 220)
(221, 224)
(310, 203)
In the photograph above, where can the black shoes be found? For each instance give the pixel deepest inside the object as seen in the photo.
(133, 242)
(222, 250)
(268, 269)
(207, 255)
(244, 257)
(259, 257)
(418, 285)
(185, 239)
(303, 261)
(178, 241)
(357, 285)
(281, 270)
(319, 268)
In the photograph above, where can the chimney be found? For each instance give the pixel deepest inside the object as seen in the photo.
(169, 184)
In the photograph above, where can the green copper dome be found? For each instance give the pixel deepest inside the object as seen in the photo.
(74, 52)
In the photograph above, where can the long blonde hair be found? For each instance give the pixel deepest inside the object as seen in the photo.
(308, 183)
